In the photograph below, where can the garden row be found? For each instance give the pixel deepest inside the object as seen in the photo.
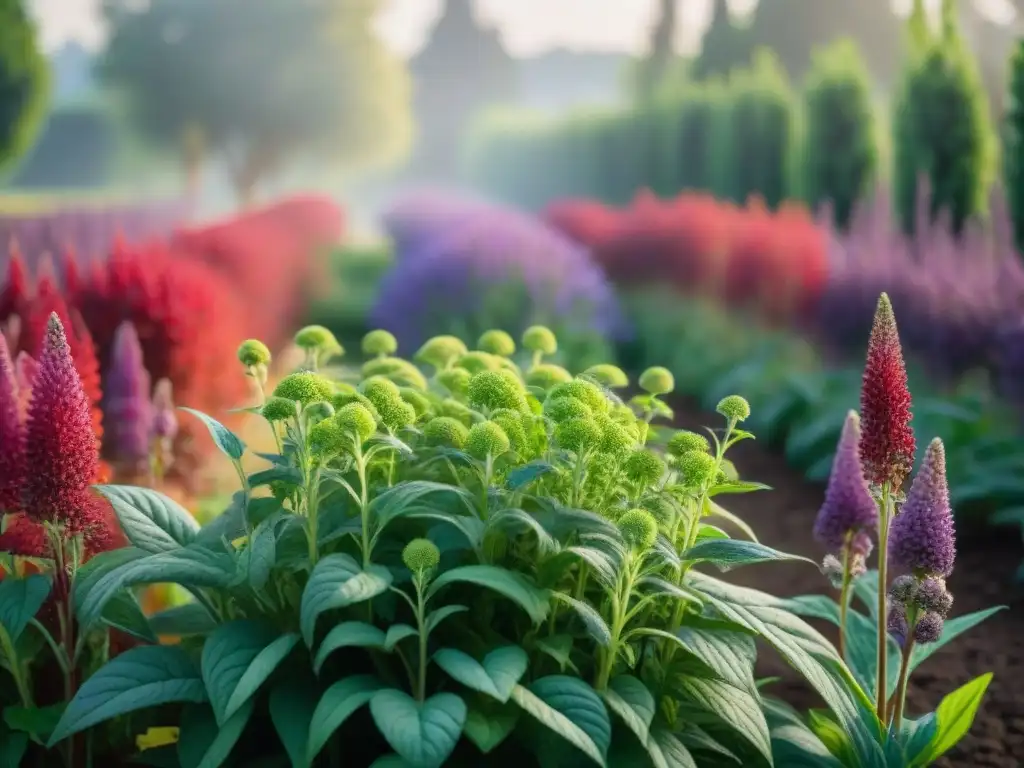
(753, 135)
(187, 296)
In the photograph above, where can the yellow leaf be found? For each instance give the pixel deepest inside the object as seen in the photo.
(157, 737)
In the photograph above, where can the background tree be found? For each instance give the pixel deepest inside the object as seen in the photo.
(24, 81)
(260, 84)
(724, 47)
(941, 128)
(840, 155)
(654, 67)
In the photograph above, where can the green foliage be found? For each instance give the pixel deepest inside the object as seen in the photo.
(77, 147)
(1013, 144)
(261, 83)
(839, 156)
(724, 47)
(534, 597)
(941, 131)
(24, 81)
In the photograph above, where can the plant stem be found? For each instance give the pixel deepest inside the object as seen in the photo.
(312, 501)
(901, 688)
(364, 520)
(844, 600)
(883, 548)
(421, 682)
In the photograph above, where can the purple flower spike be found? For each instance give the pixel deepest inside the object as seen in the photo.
(127, 407)
(849, 509)
(922, 538)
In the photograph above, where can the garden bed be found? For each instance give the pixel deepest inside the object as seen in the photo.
(784, 518)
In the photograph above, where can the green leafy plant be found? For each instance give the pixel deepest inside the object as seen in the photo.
(487, 565)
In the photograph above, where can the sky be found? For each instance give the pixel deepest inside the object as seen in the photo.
(527, 26)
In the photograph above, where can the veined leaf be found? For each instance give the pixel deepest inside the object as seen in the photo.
(20, 601)
(571, 709)
(348, 634)
(183, 620)
(727, 554)
(514, 586)
(338, 580)
(496, 675)
(337, 705)
(954, 717)
(204, 744)
(151, 521)
(227, 441)
(423, 733)
(292, 702)
(630, 699)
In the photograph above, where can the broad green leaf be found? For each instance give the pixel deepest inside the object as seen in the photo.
(237, 659)
(951, 629)
(13, 746)
(183, 620)
(424, 733)
(707, 532)
(392, 761)
(277, 473)
(38, 722)
(717, 510)
(415, 496)
(151, 521)
(20, 601)
(189, 566)
(337, 705)
(228, 442)
(916, 736)
(592, 620)
(514, 586)
(520, 477)
(488, 726)
(434, 618)
(204, 744)
(338, 581)
(630, 699)
(737, 707)
(495, 676)
(125, 614)
(396, 634)
(836, 741)
(667, 751)
(142, 677)
(731, 553)
(570, 708)
(292, 702)
(348, 634)
(954, 717)
(259, 555)
(729, 654)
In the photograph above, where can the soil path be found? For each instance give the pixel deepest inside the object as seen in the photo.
(985, 568)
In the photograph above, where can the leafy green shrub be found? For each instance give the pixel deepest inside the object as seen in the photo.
(1013, 144)
(839, 157)
(941, 130)
(491, 572)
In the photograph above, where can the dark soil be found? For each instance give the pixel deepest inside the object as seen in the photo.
(984, 577)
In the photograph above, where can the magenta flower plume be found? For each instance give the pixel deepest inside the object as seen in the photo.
(849, 509)
(128, 411)
(887, 441)
(12, 435)
(922, 538)
(60, 445)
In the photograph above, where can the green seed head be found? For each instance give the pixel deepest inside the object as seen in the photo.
(540, 338)
(577, 435)
(316, 337)
(457, 411)
(684, 441)
(514, 424)
(477, 362)
(440, 351)
(610, 376)
(657, 381)
(379, 343)
(639, 529)
(734, 408)
(616, 439)
(547, 375)
(696, 468)
(326, 439)
(278, 409)
(400, 371)
(380, 391)
(455, 380)
(589, 393)
(417, 400)
(644, 467)
(487, 439)
(491, 390)
(564, 408)
(445, 430)
(421, 555)
(341, 399)
(497, 343)
(356, 420)
(305, 387)
(253, 352)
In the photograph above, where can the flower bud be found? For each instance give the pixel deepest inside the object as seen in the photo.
(326, 439)
(639, 528)
(657, 381)
(547, 375)
(478, 362)
(684, 441)
(318, 338)
(497, 343)
(396, 369)
(304, 387)
(933, 597)
(616, 440)
(357, 421)
(696, 468)
(445, 430)
(564, 408)
(928, 628)
(734, 408)
(577, 435)
(487, 439)
(514, 425)
(587, 392)
(455, 380)
(896, 623)
(440, 351)
(607, 375)
(421, 555)
(540, 339)
(491, 390)
(379, 343)
(417, 400)
(644, 467)
(278, 409)
(832, 569)
(253, 352)
(456, 410)
(903, 589)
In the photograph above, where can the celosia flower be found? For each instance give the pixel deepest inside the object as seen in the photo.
(25, 368)
(922, 537)
(12, 435)
(848, 508)
(127, 405)
(887, 441)
(60, 445)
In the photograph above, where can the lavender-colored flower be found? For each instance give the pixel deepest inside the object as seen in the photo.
(896, 623)
(127, 408)
(922, 538)
(848, 510)
(928, 628)
(933, 597)
(165, 419)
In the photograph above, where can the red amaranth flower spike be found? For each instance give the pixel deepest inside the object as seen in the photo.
(25, 368)
(12, 435)
(16, 290)
(887, 441)
(60, 445)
